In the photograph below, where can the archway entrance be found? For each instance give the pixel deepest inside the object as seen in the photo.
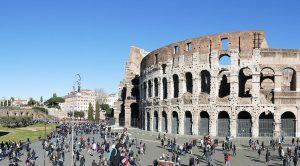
(155, 121)
(266, 126)
(288, 124)
(244, 124)
(223, 124)
(188, 123)
(203, 123)
(164, 123)
(134, 120)
(122, 116)
(175, 122)
(148, 121)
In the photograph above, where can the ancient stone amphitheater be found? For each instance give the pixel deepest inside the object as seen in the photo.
(225, 84)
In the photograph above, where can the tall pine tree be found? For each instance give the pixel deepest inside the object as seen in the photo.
(90, 112)
(97, 112)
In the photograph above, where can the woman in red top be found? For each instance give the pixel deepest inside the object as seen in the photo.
(227, 160)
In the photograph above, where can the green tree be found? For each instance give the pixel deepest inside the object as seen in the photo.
(31, 102)
(41, 100)
(97, 112)
(104, 106)
(54, 101)
(90, 112)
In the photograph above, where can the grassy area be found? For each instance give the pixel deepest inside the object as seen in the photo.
(32, 132)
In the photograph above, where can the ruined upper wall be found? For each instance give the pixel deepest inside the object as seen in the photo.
(245, 41)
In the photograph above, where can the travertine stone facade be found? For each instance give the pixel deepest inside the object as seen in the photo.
(224, 84)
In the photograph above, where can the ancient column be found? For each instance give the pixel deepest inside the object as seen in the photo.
(195, 122)
(181, 122)
(213, 124)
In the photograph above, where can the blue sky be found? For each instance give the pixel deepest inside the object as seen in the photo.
(44, 43)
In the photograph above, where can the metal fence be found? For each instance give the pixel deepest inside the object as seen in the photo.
(204, 126)
(188, 126)
(288, 127)
(175, 124)
(134, 122)
(244, 127)
(223, 127)
(155, 123)
(122, 121)
(266, 127)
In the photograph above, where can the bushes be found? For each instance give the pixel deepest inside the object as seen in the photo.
(15, 121)
(40, 109)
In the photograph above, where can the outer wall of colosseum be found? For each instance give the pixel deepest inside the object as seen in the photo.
(190, 88)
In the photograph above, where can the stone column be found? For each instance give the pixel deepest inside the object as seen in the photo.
(234, 77)
(146, 118)
(169, 126)
(297, 122)
(151, 119)
(277, 123)
(255, 122)
(214, 77)
(181, 122)
(127, 116)
(256, 86)
(196, 85)
(278, 81)
(160, 92)
(182, 86)
(159, 119)
(213, 124)
(298, 82)
(170, 88)
(195, 123)
(233, 123)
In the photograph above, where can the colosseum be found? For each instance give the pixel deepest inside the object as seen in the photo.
(225, 84)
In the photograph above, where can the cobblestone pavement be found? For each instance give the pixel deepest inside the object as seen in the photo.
(245, 156)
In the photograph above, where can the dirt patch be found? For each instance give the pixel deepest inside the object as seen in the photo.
(32, 128)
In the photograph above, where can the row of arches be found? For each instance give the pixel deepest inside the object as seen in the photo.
(244, 123)
(267, 83)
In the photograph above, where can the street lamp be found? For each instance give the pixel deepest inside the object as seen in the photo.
(76, 92)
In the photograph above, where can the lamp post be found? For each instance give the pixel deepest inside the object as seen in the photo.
(77, 83)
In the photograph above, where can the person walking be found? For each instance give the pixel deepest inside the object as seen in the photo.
(295, 160)
(259, 152)
(268, 154)
(234, 150)
(227, 160)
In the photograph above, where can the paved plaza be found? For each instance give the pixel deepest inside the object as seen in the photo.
(245, 155)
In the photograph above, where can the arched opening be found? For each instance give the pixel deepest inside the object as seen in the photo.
(148, 121)
(149, 88)
(267, 84)
(145, 90)
(223, 124)
(123, 93)
(176, 85)
(225, 60)
(155, 87)
(164, 122)
(122, 116)
(289, 79)
(288, 124)
(224, 89)
(189, 82)
(188, 123)
(205, 81)
(155, 121)
(134, 118)
(165, 88)
(244, 124)
(204, 123)
(175, 122)
(266, 126)
(245, 82)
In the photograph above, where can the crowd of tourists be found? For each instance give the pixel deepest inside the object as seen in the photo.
(108, 147)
